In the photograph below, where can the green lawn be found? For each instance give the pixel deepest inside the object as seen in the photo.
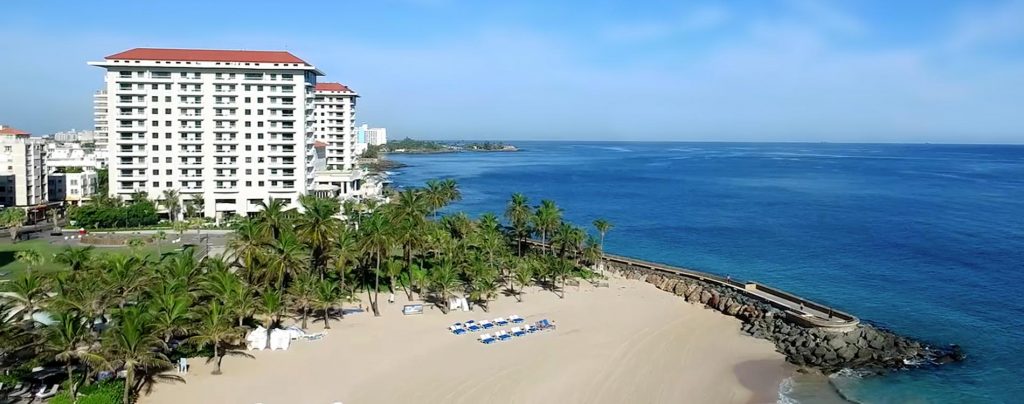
(11, 267)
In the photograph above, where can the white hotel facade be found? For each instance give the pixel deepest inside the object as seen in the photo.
(233, 128)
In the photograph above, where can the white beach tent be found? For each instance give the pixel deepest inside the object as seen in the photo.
(279, 339)
(295, 332)
(465, 304)
(257, 339)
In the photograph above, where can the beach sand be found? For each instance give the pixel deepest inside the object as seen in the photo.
(628, 343)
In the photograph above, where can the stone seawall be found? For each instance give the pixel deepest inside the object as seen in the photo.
(864, 348)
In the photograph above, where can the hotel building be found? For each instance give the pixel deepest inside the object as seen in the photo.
(22, 169)
(229, 127)
(334, 126)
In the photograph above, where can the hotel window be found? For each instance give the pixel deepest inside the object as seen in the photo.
(167, 160)
(156, 159)
(168, 184)
(155, 98)
(168, 172)
(156, 172)
(156, 136)
(156, 148)
(167, 135)
(156, 184)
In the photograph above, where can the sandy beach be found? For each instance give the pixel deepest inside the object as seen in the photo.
(626, 343)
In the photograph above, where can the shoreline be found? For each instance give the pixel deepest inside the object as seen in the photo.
(626, 342)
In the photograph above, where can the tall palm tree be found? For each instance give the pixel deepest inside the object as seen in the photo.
(317, 226)
(241, 301)
(435, 195)
(546, 219)
(344, 255)
(451, 191)
(28, 292)
(74, 258)
(326, 296)
(517, 212)
(13, 335)
(215, 329)
(301, 294)
(603, 227)
(377, 240)
(133, 347)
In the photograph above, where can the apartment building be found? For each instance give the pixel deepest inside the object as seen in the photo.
(334, 127)
(230, 127)
(101, 128)
(71, 188)
(22, 168)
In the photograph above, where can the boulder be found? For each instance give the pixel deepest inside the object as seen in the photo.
(847, 352)
(705, 296)
(837, 342)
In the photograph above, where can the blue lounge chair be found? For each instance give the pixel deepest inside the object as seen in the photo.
(517, 332)
(457, 329)
(503, 336)
(474, 327)
(487, 338)
(516, 319)
(501, 321)
(545, 325)
(530, 328)
(486, 324)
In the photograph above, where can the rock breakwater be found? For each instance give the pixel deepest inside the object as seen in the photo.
(866, 347)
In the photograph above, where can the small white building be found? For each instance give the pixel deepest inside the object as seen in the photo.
(71, 188)
(22, 168)
(371, 136)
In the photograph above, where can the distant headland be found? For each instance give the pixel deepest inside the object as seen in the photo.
(408, 145)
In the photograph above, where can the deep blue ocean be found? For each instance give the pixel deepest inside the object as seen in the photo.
(927, 240)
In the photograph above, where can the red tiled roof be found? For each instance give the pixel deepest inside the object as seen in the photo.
(207, 55)
(332, 87)
(319, 145)
(7, 130)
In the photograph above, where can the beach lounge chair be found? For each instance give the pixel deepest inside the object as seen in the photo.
(43, 393)
(501, 321)
(486, 338)
(457, 329)
(545, 325)
(19, 389)
(530, 328)
(473, 327)
(518, 332)
(503, 335)
(515, 319)
(486, 324)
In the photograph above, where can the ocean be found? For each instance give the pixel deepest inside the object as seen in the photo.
(927, 240)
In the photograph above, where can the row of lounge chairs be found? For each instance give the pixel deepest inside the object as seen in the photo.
(474, 326)
(503, 335)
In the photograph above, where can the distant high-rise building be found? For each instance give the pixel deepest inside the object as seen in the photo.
(230, 128)
(101, 128)
(334, 112)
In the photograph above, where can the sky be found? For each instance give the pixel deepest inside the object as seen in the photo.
(938, 71)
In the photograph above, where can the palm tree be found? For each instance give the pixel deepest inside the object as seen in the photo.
(517, 212)
(546, 219)
(522, 276)
(125, 275)
(377, 240)
(317, 226)
(65, 340)
(242, 302)
(603, 227)
(325, 297)
(451, 191)
(301, 293)
(274, 216)
(13, 219)
(287, 257)
(435, 195)
(172, 202)
(133, 347)
(215, 329)
(27, 292)
(344, 254)
(75, 258)
(561, 269)
(247, 245)
(444, 280)
(483, 288)
(13, 335)
(170, 314)
(271, 307)
(30, 258)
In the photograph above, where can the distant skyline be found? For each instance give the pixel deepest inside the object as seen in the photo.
(787, 70)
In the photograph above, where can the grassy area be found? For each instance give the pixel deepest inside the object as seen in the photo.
(11, 267)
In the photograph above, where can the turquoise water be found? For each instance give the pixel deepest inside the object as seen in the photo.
(925, 239)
